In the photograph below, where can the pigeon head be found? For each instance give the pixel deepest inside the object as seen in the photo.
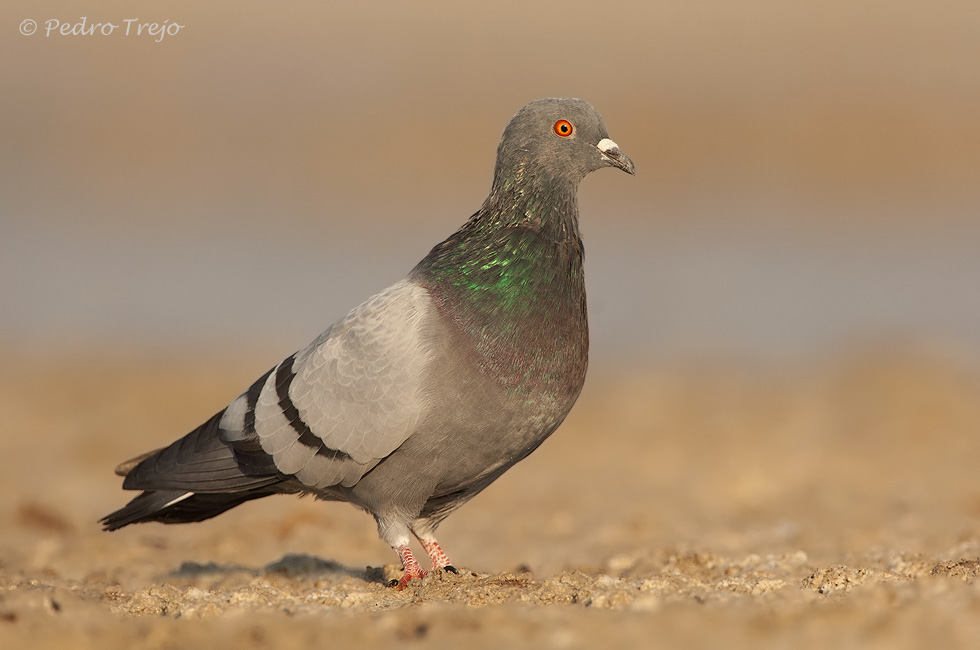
(556, 141)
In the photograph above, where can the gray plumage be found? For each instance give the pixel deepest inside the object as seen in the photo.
(426, 393)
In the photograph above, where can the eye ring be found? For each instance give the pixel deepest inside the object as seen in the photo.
(564, 128)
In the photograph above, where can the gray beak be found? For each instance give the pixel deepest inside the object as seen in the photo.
(612, 155)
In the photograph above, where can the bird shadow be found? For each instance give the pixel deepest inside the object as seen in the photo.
(292, 566)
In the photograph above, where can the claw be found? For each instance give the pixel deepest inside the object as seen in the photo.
(412, 568)
(399, 585)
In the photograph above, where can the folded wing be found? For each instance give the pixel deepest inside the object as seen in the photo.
(329, 413)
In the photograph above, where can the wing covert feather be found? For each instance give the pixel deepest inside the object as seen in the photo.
(358, 386)
(333, 410)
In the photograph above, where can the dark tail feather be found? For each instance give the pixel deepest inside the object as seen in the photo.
(195, 478)
(202, 462)
(168, 507)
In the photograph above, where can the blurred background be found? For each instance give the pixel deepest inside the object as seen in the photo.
(784, 299)
(808, 174)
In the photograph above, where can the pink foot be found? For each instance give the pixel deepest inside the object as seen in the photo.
(439, 558)
(412, 568)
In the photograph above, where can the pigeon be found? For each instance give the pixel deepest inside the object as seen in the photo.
(425, 394)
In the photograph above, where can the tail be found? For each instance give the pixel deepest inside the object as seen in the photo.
(196, 478)
(176, 507)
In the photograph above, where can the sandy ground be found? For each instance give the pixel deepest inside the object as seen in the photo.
(695, 505)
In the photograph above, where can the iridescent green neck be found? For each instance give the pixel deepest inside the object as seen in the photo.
(508, 250)
(502, 274)
(511, 281)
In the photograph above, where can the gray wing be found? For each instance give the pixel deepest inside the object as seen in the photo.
(332, 411)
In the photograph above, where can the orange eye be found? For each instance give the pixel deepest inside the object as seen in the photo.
(563, 128)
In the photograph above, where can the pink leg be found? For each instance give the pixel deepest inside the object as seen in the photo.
(439, 558)
(412, 568)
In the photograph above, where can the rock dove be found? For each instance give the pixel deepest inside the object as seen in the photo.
(425, 394)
